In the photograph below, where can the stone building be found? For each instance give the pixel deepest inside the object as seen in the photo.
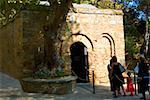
(98, 34)
(93, 37)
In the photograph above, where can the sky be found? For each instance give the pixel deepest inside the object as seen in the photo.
(134, 4)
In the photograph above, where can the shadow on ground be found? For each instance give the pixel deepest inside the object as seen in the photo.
(10, 89)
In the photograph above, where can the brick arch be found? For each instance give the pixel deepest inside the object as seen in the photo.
(79, 34)
(70, 42)
(111, 41)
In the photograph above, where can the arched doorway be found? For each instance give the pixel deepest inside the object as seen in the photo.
(79, 64)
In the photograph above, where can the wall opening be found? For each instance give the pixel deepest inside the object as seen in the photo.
(79, 62)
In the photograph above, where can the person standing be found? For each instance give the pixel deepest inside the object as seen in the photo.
(142, 82)
(109, 68)
(130, 87)
(116, 76)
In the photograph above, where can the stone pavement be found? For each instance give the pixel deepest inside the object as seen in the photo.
(10, 89)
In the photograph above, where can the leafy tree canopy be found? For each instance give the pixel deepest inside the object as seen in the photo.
(9, 8)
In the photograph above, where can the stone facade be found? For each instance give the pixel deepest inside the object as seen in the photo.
(11, 51)
(21, 43)
(101, 31)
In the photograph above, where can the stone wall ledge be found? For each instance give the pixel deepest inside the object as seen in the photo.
(52, 80)
(89, 9)
(60, 86)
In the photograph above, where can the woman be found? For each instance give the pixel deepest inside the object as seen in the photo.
(142, 82)
(116, 76)
(109, 68)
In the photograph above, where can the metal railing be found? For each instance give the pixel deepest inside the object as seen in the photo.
(93, 79)
(136, 79)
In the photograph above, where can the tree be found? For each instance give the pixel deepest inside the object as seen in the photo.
(136, 29)
(145, 6)
(58, 11)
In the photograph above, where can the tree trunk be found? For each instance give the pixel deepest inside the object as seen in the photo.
(59, 10)
(147, 34)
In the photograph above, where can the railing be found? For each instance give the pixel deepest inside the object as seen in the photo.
(136, 79)
(93, 79)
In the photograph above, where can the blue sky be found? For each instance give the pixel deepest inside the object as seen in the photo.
(134, 4)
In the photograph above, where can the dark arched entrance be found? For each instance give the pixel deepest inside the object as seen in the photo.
(79, 64)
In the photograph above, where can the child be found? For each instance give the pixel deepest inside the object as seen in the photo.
(130, 87)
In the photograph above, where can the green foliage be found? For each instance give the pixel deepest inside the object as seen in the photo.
(59, 72)
(42, 73)
(9, 8)
(107, 4)
(76, 1)
(86, 2)
(144, 2)
(131, 46)
(134, 30)
(132, 50)
(82, 1)
(133, 40)
(2, 4)
(45, 73)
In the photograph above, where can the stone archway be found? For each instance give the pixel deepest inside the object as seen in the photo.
(79, 61)
(112, 43)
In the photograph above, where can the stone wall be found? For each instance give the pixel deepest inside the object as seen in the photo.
(33, 39)
(104, 28)
(11, 52)
(101, 31)
(21, 43)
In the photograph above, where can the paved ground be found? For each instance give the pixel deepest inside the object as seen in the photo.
(10, 89)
